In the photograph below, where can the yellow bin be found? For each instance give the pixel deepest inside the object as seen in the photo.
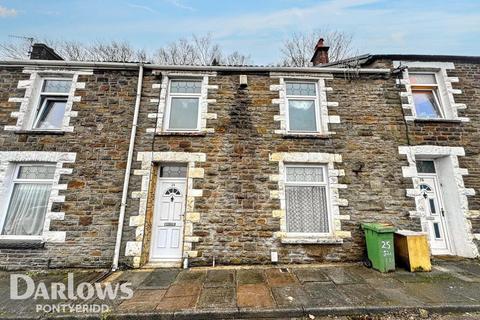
(412, 250)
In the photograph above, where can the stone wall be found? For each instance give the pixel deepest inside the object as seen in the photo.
(92, 198)
(230, 204)
(236, 225)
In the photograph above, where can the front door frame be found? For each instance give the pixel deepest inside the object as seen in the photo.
(438, 191)
(167, 262)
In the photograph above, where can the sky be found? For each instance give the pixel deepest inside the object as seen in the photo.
(255, 27)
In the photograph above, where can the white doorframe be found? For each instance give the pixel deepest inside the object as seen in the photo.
(168, 224)
(438, 245)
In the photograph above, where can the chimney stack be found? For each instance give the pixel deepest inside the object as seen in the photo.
(321, 53)
(41, 51)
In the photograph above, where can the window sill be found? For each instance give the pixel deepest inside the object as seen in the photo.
(419, 120)
(179, 133)
(18, 242)
(307, 135)
(41, 132)
(312, 240)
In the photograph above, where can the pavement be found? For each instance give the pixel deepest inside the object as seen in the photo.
(282, 292)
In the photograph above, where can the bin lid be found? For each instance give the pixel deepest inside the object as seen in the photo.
(379, 227)
(408, 233)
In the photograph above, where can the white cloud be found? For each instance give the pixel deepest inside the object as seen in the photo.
(6, 12)
(141, 7)
(180, 4)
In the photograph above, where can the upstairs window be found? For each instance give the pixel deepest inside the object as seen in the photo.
(183, 105)
(28, 200)
(50, 111)
(426, 97)
(303, 114)
(306, 194)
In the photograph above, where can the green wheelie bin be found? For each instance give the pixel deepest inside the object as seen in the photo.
(380, 249)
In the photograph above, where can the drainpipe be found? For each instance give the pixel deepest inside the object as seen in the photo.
(126, 180)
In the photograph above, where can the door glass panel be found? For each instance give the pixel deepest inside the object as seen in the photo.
(436, 229)
(433, 210)
(425, 166)
(173, 171)
(301, 115)
(425, 187)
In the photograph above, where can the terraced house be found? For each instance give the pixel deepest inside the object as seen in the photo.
(131, 164)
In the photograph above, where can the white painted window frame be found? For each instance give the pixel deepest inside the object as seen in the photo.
(315, 98)
(38, 109)
(171, 95)
(434, 87)
(12, 180)
(308, 184)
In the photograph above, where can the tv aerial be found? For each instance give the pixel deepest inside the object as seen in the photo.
(29, 39)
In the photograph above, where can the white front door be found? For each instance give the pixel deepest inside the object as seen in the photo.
(434, 220)
(167, 226)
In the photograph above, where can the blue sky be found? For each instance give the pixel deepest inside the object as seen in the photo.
(256, 27)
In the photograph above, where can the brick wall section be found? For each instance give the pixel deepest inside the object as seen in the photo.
(100, 140)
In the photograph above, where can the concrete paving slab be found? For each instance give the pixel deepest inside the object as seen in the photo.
(446, 292)
(176, 303)
(275, 277)
(291, 296)
(422, 277)
(220, 278)
(183, 289)
(362, 294)
(191, 276)
(217, 297)
(394, 291)
(325, 294)
(250, 276)
(134, 277)
(160, 278)
(143, 300)
(342, 276)
(254, 296)
(311, 275)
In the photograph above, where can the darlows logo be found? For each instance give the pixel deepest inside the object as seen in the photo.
(58, 290)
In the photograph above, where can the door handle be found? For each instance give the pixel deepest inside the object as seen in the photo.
(442, 212)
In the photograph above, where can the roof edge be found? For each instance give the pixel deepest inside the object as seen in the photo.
(130, 65)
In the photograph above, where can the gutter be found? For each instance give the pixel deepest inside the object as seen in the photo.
(135, 65)
(126, 180)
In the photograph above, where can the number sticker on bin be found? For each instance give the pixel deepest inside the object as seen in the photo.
(387, 248)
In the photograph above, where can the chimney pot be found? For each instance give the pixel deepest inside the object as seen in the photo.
(320, 56)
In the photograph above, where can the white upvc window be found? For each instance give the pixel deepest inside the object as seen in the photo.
(426, 95)
(302, 112)
(28, 194)
(49, 109)
(183, 105)
(307, 200)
